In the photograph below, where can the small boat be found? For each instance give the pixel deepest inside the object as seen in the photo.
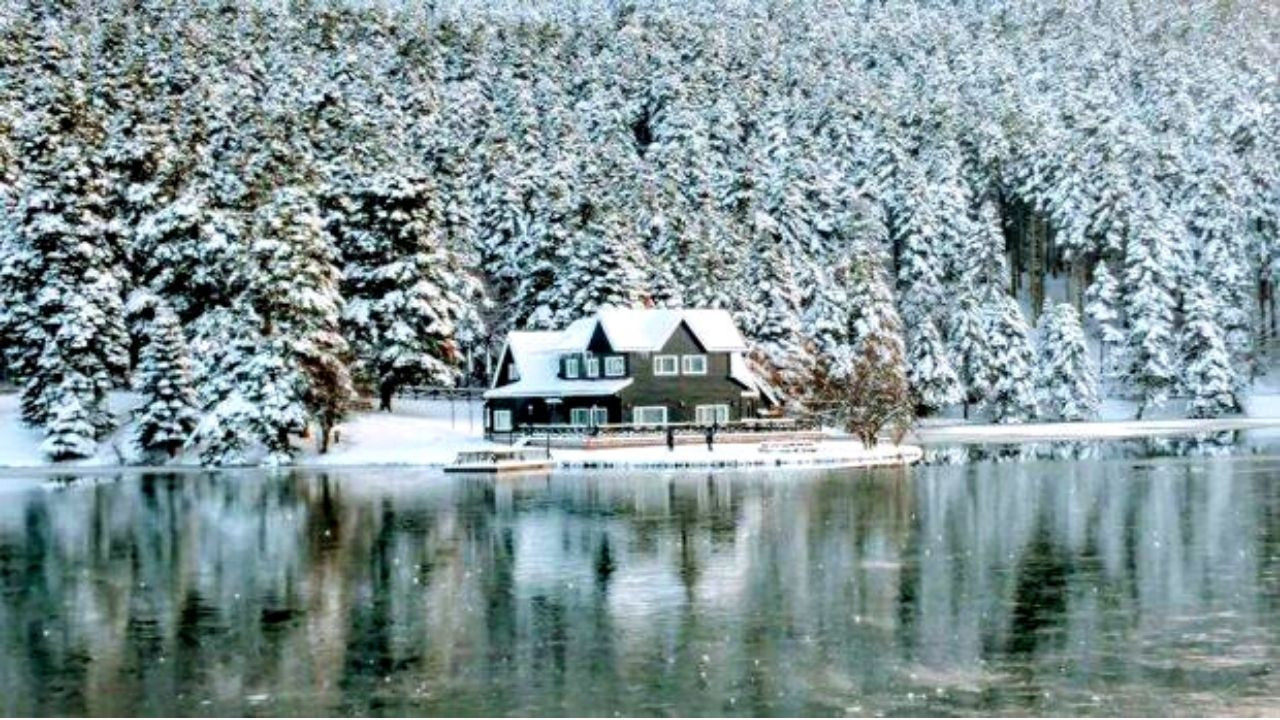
(503, 460)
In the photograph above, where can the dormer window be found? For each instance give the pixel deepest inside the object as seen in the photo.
(615, 366)
(593, 367)
(571, 367)
(513, 372)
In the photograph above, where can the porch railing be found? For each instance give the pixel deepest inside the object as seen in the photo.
(623, 430)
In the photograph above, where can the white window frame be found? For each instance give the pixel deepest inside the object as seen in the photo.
(571, 367)
(658, 361)
(638, 411)
(502, 421)
(615, 366)
(719, 414)
(599, 416)
(685, 364)
(513, 372)
(583, 413)
(593, 367)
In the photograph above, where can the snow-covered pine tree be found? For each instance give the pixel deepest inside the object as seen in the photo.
(933, 381)
(772, 317)
(400, 282)
(295, 294)
(603, 266)
(70, 433)
(167, 413)
(223, 341)
(60, 282)
(1207, 376)
(1065, 376)
(1101, 300)
(969, 346)
(1150, 274)
(862, 385)
(1012, 395)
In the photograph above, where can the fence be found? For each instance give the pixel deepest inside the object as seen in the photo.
(621, 434)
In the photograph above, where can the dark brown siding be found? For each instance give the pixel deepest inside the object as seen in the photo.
(504, 369)
(681, 394)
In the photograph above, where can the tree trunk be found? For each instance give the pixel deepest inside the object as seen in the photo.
(386, 390)
(1036, 267)
(326, 429)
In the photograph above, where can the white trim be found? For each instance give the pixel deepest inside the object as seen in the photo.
(637, 411)
(593, 367)
(615, 361)
(502, 421)
(571, 367)
(719, 414)
(657, 363)
(684, 364)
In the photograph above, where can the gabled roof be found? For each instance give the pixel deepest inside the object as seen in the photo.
(647, 330)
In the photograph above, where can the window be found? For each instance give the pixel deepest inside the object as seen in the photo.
(502, 420)
(665, 365)
(695, 364)
(593, 367)
(571, 367)
(711, 414)
(580, 417)
(513, 372)
(599, 416)
(651, 415)
(615, 366)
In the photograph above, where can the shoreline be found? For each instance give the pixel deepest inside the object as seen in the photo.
(1094, 430)
(833, 451)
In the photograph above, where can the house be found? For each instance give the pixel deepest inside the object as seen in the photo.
(640, 366)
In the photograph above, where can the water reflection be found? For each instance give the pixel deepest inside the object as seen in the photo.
(1048, 587)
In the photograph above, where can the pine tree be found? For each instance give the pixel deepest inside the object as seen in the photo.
(603, 266)
(1149, 278)
(862, 386)
(167, 414)
(1101, 306)
(968, 343)
(1065, 376)
(71, 433)
(400, 283)
(1011, 397)
(1207, 375)
(295, 295)
(933, 381)
(60, 282)
(772, 317)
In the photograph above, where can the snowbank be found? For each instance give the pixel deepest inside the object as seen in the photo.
(417, 433)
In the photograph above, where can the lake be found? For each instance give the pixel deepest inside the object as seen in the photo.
(1096, 585)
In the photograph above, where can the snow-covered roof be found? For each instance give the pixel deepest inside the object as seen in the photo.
(537, 353)
(647, 330)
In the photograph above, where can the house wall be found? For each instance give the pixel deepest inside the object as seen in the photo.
(681, 394)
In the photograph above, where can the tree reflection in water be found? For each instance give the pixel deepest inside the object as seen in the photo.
(1082, 586)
